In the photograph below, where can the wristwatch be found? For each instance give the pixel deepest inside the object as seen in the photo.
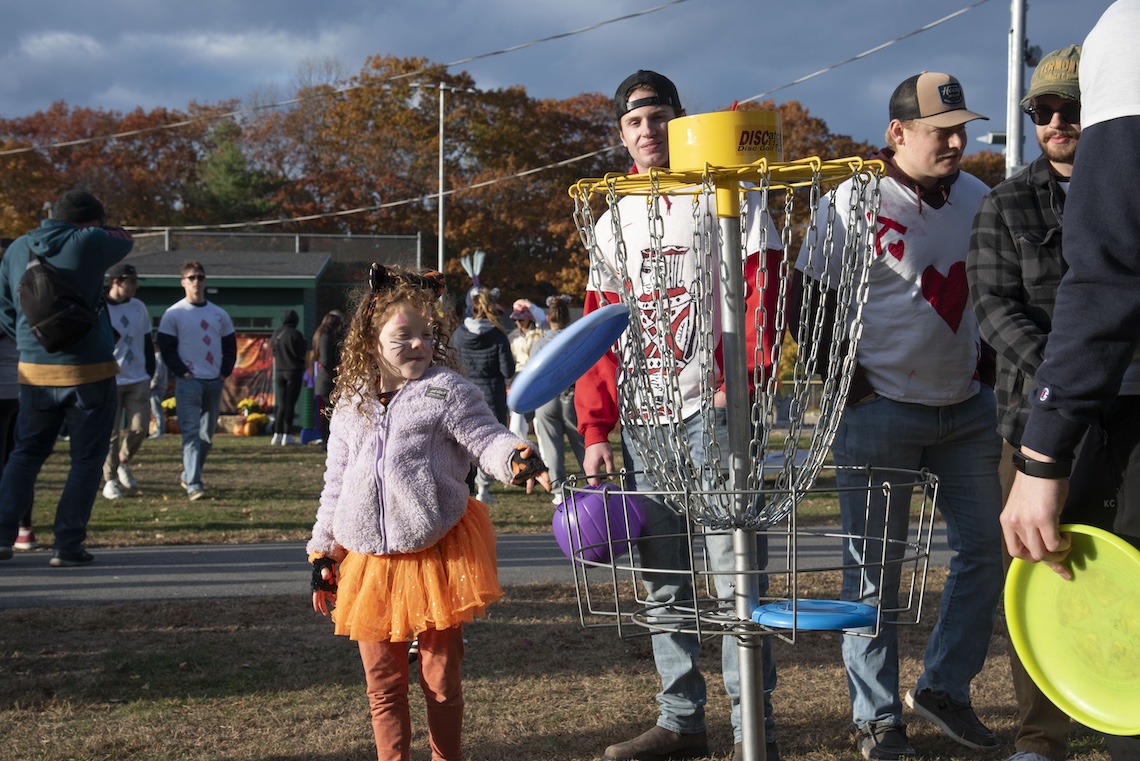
(1038, 469)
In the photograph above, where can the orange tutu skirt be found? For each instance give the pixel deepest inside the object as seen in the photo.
(392, 598)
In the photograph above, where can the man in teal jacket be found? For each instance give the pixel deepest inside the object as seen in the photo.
(75, 386)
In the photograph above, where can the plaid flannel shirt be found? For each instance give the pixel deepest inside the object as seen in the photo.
(1014, 268)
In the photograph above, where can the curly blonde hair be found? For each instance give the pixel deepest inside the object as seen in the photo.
(358, 371)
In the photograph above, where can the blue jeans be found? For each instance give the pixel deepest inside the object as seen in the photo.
(683, 690)
(960, 445)
(89, 411)
(198, 403)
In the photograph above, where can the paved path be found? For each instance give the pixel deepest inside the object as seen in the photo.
(189, 572)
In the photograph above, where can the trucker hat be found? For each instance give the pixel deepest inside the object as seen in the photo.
(931, 98)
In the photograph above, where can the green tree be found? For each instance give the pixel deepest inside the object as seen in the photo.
(227, 188)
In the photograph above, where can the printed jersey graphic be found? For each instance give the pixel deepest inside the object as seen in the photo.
(662, 286)
(948, 294)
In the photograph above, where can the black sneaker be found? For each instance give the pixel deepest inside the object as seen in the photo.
(957, 720)
(69, 558)
(877, 740)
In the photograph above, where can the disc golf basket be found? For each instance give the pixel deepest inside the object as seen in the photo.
(748, 485)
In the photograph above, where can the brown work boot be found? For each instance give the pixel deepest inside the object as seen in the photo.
(659, 744)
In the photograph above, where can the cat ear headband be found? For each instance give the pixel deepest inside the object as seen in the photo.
(380, 278)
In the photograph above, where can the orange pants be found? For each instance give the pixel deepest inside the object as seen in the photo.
(386, 674)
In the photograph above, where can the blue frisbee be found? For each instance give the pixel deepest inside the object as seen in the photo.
(570, 354)
(815, 615)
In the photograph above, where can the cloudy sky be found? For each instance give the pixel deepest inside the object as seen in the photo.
(122, 54)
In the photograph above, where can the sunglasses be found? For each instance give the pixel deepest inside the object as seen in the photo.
(194, 278)
(380, 278)
(1042, 115)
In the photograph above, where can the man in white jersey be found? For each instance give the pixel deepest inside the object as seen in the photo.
(921, 397)
(199, 347)
(644, 104)
(134, 351)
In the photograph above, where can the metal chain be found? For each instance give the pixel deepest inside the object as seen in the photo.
(650, 394)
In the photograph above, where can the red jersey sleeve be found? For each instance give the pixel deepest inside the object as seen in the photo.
(595, 393)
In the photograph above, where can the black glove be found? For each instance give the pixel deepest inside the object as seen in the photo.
(320, 584)
(525, 468)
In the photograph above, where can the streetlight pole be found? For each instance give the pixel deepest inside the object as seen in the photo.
(1015, 87)
(439, 252)
(443, 87)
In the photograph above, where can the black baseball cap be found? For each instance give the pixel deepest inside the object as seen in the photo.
(121, 270)
(665, 89)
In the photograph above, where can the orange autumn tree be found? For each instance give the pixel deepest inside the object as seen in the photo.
(139, 177)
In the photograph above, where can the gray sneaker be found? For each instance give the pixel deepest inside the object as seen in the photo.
(885, 742)
(957, 720)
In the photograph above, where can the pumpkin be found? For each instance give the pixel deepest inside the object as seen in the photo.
(238, 429)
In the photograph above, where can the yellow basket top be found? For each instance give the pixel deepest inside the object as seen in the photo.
(777, 175)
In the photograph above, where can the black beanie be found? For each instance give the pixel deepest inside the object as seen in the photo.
(77, 207)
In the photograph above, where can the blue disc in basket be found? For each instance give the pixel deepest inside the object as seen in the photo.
(563, 361)
(815, 615)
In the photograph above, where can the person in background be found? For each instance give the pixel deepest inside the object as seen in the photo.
(398, 545)
(199, 347)
(1014, 268)
(158, 386)
(1088, 386)
(75, 386)
(9, 408)
(289, 353)
(536, 312)
(522, 340)
(556, 421)
(324, 358)
(134, 352)
(920, 397)
(486, 360)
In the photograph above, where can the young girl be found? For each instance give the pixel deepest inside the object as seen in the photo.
(399, 546)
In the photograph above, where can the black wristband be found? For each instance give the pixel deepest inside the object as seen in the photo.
(320, 584)
(525, 468)
(1038, 469)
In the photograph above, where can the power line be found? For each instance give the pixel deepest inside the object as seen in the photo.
(565, 162)
(866, 53)
(338, 90)
(382, 206)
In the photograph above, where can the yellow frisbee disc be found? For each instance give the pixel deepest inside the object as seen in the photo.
(1079, 640)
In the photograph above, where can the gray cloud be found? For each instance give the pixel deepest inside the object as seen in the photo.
(123, 54)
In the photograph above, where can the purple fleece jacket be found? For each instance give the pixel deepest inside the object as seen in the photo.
(396, 481)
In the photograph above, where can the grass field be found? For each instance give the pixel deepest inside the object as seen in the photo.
(255, 493)
(264, 679)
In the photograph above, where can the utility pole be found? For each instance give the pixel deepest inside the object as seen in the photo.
(443, 87)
